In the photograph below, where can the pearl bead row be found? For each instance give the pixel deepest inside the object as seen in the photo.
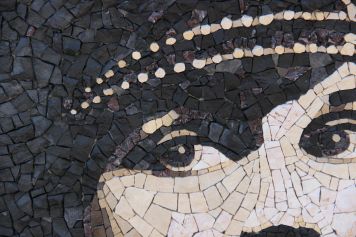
(248, 21)
(347, 49)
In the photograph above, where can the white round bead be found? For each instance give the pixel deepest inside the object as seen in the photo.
(188, 35)
(125, 85)
(73, 111)
(142, 77)
(199, 63)
(154, 47)
(160, 73)
(84, 105)
(288, 15)
(87, 89)
(108, 91)
(299, 48)
(257, 50)
(313, 48)
(171, 41)
(226, 23)
(279, 49)
(179, 67)
(247, 20)
(238, 53)
(96, 99)
(121, 64)
(217, 58)
(99, 80)
(205, 29)
(266, 19)
(109, 74)
(136, 55)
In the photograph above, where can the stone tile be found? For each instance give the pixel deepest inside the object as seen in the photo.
(162, 223)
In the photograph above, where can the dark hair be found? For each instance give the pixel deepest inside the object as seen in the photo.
(50, 51)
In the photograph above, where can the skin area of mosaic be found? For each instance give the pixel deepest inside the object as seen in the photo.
(177, 118)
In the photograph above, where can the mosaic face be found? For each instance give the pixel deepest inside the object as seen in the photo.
(302, 175)
(177, 118)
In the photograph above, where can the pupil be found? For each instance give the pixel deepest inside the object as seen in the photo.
(336, 138)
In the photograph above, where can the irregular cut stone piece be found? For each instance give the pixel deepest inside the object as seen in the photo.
(348, 49)
(139, 199)
(159, 218)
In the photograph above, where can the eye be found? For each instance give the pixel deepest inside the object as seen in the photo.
(178, 153)
(331, 137)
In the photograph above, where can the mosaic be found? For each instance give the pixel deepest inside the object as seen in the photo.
(177, 118)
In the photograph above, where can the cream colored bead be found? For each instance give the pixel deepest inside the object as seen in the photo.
(188, 35)
(307, 15)
(87, 89)
(342, 15)
(238, 53)
(266, 19)
(125, 85)
(121, 64)
(257, 50)
(217, 58)
(160, 73)
(313, 48)
(331, 49)
(179, 67)
(171, 41)
(348, 49)
(154, 47)
(109, 74)
(199, 63)
(73, 111)
(299, 48)
(205, 29)
(142, 77)
(319, 16)
(279, 49)
(226, 23)
(96, 99)
(136, 55)
(246, 20)
(99, 80)
(108, 91)
(84, 105)
(288, 15)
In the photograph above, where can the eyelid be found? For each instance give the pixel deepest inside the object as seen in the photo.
(177, 133)
(341, 121)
